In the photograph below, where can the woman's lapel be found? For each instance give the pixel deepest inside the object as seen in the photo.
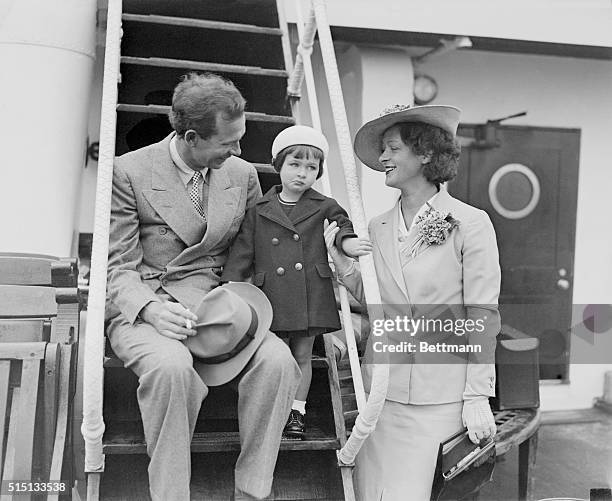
(386, 237)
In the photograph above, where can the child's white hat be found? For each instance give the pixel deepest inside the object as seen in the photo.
(299, 134)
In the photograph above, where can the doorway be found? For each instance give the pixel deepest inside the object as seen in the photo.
(528, 184)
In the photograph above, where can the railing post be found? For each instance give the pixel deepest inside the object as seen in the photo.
(93, 370)
(304, 55)
(366, 420)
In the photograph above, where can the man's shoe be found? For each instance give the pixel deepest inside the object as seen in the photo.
(295, 425)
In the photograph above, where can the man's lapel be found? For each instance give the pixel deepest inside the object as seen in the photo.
(170, 199)
(223, 199)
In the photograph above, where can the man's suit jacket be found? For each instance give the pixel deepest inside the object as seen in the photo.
(288, 259)
(462, 274)
(158, 243)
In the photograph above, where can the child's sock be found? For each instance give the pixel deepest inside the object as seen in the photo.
(299, 405)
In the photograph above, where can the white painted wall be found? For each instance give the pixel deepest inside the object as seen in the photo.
(581, 22)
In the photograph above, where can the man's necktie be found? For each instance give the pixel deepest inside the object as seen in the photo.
(194, 194)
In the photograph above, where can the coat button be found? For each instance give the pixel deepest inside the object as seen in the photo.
(164, 282)
(298, 266)
(275, 241)
(296, 237)
(280, 271)
(163, 231)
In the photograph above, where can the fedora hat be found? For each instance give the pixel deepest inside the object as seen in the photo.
(232, 322)
(368, 138)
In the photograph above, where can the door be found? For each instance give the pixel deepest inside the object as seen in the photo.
(528, 185)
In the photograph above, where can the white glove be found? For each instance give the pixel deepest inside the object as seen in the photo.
(478, 419)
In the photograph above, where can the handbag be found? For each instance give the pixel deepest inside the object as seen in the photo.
(462, 467)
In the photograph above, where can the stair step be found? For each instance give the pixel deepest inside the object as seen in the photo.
(112, 361)
(257, 12)
(202, 23)
(349, 401)
(158, 109)
(133, 443)
(265, 168)
(349, 419)
(203, 66)
(345, 380)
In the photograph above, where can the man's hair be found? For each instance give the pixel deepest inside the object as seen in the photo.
(199, 98)
(299, 151)
(426, 139)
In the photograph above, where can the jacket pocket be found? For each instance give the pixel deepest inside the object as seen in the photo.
(258, 278)
(324, 270)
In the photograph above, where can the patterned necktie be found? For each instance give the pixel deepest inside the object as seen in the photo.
(194, 194)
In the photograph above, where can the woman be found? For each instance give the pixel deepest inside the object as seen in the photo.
(435, 257)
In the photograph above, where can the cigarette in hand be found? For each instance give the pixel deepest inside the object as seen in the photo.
(187, 323)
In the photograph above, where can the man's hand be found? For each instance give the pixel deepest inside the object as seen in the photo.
(170, 319)
(355, 246)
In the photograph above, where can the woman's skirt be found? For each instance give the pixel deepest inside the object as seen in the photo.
(398, 460)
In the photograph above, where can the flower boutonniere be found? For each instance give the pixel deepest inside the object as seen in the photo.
(433, 228)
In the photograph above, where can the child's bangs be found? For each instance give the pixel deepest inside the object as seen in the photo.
(305, 151)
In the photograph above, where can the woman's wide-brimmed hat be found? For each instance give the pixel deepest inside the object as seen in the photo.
(368, 139)
(232, 322)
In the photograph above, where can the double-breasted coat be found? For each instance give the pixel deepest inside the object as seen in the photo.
(287, 258)
(158, 243)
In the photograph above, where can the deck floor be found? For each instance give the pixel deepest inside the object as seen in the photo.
(574, 455)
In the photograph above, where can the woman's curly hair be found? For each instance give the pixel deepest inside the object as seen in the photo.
(426, 139)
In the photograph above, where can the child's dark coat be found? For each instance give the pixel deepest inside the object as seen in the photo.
(288, 259)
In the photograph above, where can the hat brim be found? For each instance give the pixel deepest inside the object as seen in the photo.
(218, 374)
(368, 138)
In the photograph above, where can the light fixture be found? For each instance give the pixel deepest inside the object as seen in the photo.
(425, 89)
(445, 45)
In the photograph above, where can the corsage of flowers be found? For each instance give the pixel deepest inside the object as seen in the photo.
(433, 227)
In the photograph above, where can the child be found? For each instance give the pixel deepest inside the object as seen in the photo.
(281, 245)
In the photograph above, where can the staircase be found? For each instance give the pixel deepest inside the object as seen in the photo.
(238, 39)
(243, 41)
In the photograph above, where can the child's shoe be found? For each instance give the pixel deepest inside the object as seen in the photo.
(295, 425)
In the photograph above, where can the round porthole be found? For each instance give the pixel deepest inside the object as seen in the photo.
(514, 191)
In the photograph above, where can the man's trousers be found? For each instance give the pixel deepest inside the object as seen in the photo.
(170, 394)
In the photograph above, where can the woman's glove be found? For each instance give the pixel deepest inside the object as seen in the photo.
(478, 419)
(342, 263)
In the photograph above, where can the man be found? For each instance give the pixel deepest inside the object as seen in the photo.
(176, 207)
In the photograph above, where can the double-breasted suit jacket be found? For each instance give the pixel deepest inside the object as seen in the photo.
(287, 257)
(461, 274)
(158, 242)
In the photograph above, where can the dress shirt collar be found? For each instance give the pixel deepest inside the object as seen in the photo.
(184, 171)
(402, 229)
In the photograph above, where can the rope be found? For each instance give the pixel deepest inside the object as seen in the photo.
(313, 103)
(93, 370)
(366, 420)
(304, 51)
